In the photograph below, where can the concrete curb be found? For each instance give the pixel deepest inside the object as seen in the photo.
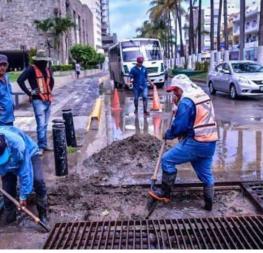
(94, 120)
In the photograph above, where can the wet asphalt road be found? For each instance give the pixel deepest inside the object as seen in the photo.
(239, 150)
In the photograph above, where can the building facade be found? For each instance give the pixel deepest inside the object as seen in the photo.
(251, 33)
(19, 32)
(95, 7)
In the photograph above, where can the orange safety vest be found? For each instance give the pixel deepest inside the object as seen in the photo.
(43, 85)
(205, 126)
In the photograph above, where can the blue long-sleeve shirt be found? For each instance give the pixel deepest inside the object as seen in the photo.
(184, 120)
(6, 102)
(140, 77)
(22, 148)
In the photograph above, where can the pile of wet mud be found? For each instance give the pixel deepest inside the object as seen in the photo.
(120, 161)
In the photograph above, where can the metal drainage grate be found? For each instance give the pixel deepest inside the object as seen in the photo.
(255, 191)
(194, 233)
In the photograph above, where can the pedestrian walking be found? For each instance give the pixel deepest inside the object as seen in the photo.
(139, 78)
(77, 69)
(41, 82)
(19, 157)
(195, 127)
(6, 100)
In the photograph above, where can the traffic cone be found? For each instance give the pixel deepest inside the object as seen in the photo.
(157, 124)
(156, 101)
(116, 101)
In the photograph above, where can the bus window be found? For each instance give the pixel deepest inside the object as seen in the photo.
(130, 56)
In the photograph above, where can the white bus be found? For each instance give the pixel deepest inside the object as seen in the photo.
(122, 57)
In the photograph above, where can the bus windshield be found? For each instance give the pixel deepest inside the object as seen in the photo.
(150, 49)
(130, 56)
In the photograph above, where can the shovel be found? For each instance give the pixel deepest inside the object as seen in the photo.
(153, 203)
(25, 210)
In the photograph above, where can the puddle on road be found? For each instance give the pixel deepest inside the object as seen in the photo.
(239, 150)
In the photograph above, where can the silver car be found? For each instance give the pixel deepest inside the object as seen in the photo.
(238, 78)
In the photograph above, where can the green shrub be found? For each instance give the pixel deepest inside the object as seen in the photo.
(202, 66)
(65, 67)
(86, 56)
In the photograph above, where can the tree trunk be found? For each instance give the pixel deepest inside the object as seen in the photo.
(200, 27)
(170, 35)
(179, 18)
(225, 25)
(260, 35)
(191, 28)
(219, 25)
(242, 28)
(212, 26)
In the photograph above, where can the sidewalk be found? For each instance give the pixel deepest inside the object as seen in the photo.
(69, 93)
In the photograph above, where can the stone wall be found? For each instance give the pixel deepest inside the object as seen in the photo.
(17, 25)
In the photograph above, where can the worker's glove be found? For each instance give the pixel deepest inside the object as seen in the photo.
(35, 92)
(23, 203)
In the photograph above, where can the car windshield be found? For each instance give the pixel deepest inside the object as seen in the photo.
(130, 56)
(247, 67)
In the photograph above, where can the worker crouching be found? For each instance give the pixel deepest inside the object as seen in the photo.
(19, 158)
(195, 121)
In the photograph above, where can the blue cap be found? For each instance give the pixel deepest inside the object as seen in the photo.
(4, 151)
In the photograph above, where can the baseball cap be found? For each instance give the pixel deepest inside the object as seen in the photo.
(4, 152)
(140, 59)
(3, 58)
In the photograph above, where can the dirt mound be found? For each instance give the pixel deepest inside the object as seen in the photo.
(122, 160)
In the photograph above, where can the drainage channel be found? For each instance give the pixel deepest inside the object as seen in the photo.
(239, 232)
(255, 192)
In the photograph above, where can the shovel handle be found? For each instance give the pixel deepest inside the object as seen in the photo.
(157, 166)
(19, 207)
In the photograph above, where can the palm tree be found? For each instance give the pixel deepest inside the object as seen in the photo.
(57, 27)
(242, 28)
(199, 27)
(225, 30)
(260, 35)
(212, 26)
(191, 29)
(219, 25)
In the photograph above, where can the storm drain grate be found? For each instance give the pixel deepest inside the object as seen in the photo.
(242, 232)
(255, 191)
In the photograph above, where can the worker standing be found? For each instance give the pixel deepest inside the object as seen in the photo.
(6, 100)
(77, 69)
(195, 126)
(19, 157)
(139, 78)
(41, 82)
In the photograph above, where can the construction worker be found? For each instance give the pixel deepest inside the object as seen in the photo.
(139, 78)
(19, 157)
(41, 82)
(195, 126)
(6, 100)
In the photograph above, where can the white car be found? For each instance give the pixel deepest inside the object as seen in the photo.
(238, 78)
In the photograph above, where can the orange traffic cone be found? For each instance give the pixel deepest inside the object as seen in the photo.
(116, 101)
(156, 101)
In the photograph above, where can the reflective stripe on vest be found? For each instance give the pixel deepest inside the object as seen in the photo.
(43, 85)
(205, 127)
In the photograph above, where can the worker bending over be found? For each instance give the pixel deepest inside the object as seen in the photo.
(195, 126)
(19, 157)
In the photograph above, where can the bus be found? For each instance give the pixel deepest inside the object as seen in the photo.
(123, 55)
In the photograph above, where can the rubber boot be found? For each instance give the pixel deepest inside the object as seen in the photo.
(208, 197)
(146, 113)
(42, 207)
(163, 194)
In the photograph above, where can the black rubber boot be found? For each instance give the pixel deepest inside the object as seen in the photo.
(8, 216)
(42, 207)
(208, 197)
(163, 194)
(146, 113)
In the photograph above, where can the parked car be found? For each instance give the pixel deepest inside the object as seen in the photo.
(238, 78)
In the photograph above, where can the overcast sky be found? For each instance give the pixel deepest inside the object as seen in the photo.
(127, 15)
